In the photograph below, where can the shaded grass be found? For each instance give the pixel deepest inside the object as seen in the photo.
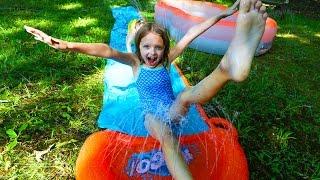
(57, 96)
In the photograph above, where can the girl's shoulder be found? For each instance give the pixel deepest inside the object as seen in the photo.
(135, 59)
(130, 59)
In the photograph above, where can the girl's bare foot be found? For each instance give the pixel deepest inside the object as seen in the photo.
(249, 30)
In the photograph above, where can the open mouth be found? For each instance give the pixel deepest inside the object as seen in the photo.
(152, 61)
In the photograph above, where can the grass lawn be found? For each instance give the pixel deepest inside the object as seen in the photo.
(49, 97)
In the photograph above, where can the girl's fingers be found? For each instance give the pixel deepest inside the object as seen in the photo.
(43, 37)
(35, 32)
(27, 28)
(46, 39)
(32, 30)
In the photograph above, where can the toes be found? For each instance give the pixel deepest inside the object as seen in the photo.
(253, 3)
(262, 9)
(245, 6)
(265, 16)
(258, 5)
(249, 5)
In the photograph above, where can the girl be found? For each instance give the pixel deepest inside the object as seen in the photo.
(150, 67)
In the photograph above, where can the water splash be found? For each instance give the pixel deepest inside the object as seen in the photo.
(138, 6)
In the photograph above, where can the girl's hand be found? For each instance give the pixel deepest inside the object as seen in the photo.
(43, 37)
(231, 9)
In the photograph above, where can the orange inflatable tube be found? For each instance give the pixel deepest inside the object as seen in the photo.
(213, 154)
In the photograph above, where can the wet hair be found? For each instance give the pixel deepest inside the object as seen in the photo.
(156, 28)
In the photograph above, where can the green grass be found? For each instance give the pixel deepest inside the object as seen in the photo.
(49, 97)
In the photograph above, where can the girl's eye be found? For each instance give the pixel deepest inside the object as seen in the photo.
(146, 46)
(158, 48)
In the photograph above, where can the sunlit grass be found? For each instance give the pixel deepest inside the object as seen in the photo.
(39, 23)
(223, 2)
(53, 165)
(8, 31)
(287, 35)
(293, 36)
(83, 22)
(70, 6)
(98, 31)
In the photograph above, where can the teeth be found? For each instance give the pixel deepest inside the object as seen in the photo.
(151, 58)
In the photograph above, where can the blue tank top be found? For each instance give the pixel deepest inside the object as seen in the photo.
(154, 89)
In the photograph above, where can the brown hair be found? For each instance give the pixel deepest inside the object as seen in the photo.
(156, 28)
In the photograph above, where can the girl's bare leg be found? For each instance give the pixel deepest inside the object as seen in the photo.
(170, 147)
(235, 64)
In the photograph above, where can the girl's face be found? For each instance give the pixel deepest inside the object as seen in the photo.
(151, 49)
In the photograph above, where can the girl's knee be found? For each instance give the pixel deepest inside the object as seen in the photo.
(185, 97)
(179, 108)
(157, 129)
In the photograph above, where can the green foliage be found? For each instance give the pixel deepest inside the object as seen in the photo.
(13, 139)
(48, 97)
(13, 136)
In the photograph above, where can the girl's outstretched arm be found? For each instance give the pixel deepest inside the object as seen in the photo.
(93, 49)
(198, 29)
